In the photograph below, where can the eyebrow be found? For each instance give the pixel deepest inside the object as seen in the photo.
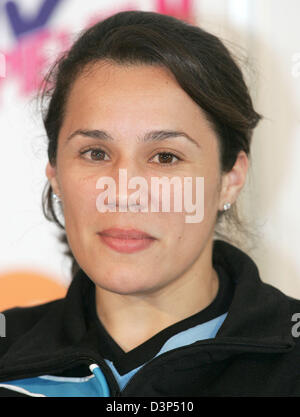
(152, 136)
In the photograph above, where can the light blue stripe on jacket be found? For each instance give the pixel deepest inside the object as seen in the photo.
(89, 386)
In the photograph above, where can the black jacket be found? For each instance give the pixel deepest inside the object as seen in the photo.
(255, 352)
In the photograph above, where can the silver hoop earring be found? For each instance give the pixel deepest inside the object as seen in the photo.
(56, 198)
(226, 206)
(57, 208)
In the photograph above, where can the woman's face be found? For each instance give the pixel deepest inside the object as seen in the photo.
(126, 103)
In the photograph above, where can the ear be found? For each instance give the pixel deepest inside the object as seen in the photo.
(234, 180)
(51, 173)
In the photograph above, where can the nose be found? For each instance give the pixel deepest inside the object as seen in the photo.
(131, 187)
(131, 190)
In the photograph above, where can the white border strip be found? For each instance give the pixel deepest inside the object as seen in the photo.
(21, 390)
(66, 379)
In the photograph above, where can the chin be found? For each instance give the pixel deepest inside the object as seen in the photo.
(123, 289)
(124, 285)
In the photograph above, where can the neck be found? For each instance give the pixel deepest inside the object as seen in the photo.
(133, 319)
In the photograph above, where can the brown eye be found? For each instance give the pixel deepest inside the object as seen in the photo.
(165, 158)
(96, 154)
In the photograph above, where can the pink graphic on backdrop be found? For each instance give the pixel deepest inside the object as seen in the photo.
(181, 9)
(28, 60)
(2, 65)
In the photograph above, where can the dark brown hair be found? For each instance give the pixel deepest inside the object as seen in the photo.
(200, 62)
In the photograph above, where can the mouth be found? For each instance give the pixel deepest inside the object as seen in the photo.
(126, 240)
(126, 234)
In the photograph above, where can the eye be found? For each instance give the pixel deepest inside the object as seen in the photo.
(167, 158)
(96, 154)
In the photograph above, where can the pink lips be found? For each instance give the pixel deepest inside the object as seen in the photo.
(126, 241)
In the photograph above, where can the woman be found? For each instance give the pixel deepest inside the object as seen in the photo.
(156, 307)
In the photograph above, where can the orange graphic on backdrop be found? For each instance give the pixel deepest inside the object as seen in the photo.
(26, 288)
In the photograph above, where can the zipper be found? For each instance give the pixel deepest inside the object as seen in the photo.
(112, 383)
(108, 374)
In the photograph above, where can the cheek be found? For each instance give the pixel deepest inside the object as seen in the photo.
(182, 243)
(186, 237)
(210, 199)
(211, 191)
(180, 236)
(80, 195)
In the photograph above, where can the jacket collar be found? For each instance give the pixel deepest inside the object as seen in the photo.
(258, 319)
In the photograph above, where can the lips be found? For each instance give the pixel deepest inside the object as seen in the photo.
(126, 241)
(126, 234)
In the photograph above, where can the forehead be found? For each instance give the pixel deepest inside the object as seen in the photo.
(131, 97)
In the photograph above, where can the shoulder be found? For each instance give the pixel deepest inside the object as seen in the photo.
(20, 320)
(294, 304)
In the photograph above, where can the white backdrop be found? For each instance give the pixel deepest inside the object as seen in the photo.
(269, 31)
